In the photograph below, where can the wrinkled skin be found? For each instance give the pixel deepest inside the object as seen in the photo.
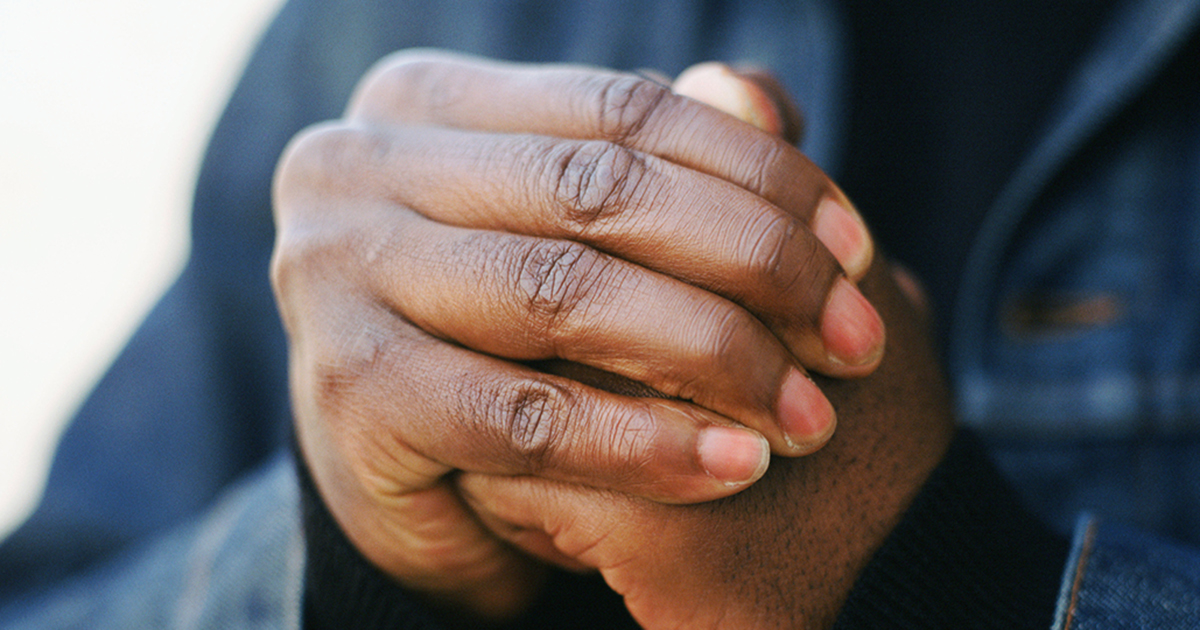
(468, 219)
(783, 553)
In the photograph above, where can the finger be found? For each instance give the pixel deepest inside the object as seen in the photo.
(527, 298)
(422, 534)
(564, 524)
(457, 91)
(412, 408)
(756, 97)
(695, 228)
(914, 290)
(748, 94)
(433, 544)
(572, 527)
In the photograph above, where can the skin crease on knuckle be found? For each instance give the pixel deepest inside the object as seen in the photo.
(778, 172)
(564, 287)
(784, 552)
(540, 423)
(764, 170)
(783, 267)
(726, 345)
(528, 416)
(560, 280)
(626, 110)
(594, 182)
(629, 109)
(557, 280)
(599, 180)
(625, 105)
(595, 429)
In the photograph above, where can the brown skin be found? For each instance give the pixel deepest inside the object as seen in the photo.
(783, 553)
(467, 218)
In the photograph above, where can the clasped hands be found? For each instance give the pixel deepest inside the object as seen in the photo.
(550, 314)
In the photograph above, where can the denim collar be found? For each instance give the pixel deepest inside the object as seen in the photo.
(1136, 44)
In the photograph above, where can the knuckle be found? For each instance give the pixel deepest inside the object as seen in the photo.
(780, 264)
(282, 274)
(593, 181)
(322, 266)
(766, 168)
(559, 278)
(728, 333)
(315, 237)
(630, 442)
(327, 157)
(775, 170)
(348, 369)
(323, 255)
(729, 337)
(410, 82)
(295, 161)
(626, 104)
(392, 73)
(530, 416)
(293, 267)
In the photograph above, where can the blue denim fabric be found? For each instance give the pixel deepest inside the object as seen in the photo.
(1105, 205)
(1123, 579)
(1076, 343)
(239, 565)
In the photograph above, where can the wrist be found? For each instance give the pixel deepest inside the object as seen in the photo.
(344, 591)
(965, 554)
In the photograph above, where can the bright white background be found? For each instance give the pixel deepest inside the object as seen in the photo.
(105, 106)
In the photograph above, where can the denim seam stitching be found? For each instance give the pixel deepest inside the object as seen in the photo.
(1080, 567)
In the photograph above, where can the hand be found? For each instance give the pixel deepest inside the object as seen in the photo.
(468, 217)
(785, 552)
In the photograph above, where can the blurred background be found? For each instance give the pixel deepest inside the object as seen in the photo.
(105, 108)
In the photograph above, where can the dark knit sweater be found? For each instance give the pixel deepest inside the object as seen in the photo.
(965, 555)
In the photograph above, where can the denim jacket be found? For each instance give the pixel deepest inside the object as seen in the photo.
(1118, 578)
(1076, 338)
(168, 504)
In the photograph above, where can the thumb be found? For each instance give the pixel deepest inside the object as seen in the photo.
(752, 95)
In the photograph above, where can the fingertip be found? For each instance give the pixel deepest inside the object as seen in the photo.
(805, 414)
(913, 289)
(842, 231)
(734, 456)
(719, 87)
(790, 116)
(851, 329)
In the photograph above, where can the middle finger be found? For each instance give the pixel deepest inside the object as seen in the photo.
(530, 298)
(693, 227)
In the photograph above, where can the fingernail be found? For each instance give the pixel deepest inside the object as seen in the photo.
(805, 415)
(850, 327)
(734, 456)
(845, 236)
(719, 87)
